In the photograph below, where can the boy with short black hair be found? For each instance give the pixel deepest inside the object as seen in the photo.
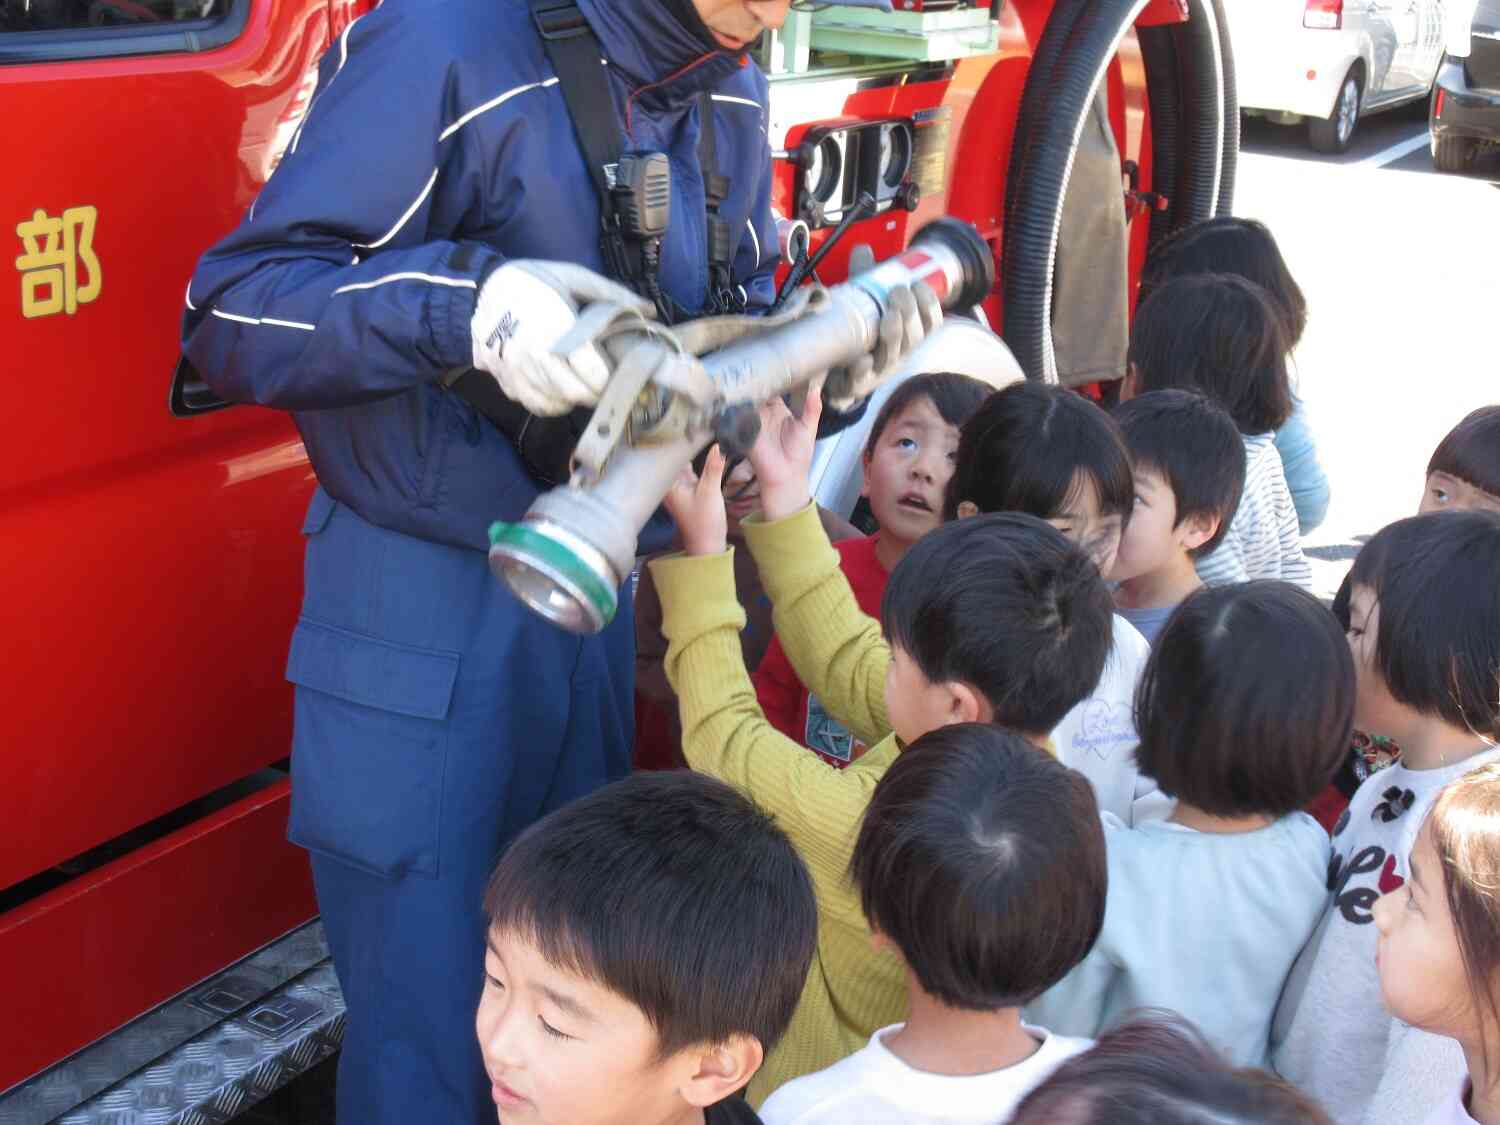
(908, 459)
(994, 619)
(647, 946)
(1224, 337)
(982, 864)
(1463, 475)
(1188, 462)
(1051, 453)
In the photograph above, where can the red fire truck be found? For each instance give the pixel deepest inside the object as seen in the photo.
(159, 951)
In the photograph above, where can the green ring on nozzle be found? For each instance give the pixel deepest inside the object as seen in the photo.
(559, 564)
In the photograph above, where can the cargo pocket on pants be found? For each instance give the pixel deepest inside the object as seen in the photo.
(369, 748)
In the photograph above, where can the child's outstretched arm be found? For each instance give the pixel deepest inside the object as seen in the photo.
(724, 732)
(837, 650)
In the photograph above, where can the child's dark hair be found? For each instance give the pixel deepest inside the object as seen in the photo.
(1026, 447)
(1246, 702)
(1436, 580)
(1465, 829)
(1229, 244)
(982, 858)
(1158, 1070)
(1190, 441)
(1471, 451)
(674, 891)
(1220, 335)
(1004, 603)
(954, 397)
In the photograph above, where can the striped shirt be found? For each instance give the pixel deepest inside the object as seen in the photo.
(1263, 540)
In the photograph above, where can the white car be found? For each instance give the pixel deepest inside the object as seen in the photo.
(1330, 62)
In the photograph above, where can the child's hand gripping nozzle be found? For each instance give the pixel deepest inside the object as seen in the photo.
(672, 391)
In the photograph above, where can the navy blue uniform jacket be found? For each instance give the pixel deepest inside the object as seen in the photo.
(436, 147)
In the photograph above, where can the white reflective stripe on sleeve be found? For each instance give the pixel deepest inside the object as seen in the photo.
(754, 238)
(188, 296)
(443, 136)
(343, 58)
(738, 101)
(456, 282)
(265, 320)
(402, 221)
(491, 104)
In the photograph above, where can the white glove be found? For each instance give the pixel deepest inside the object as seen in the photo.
(911, 314)
(524, 307)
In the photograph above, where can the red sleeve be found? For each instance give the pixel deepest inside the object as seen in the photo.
(781, 694)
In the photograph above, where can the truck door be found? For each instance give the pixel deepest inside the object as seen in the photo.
(152, 559)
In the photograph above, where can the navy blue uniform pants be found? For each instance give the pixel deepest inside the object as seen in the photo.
(436, 717)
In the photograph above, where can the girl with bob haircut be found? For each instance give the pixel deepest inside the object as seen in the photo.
(1157, 1070)
(1462, 475)
(1440, 940)
(1464, 472)
(1222, 336)
(1244, 713)
(1048, 452)
(1424, 627)
(1053, 454)
(1246, 248)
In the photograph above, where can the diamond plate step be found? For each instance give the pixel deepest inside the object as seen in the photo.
(213, 1067)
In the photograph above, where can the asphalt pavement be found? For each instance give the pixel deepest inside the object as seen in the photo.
(1400, 265)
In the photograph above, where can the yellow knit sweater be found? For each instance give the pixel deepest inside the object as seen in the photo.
(839, 653)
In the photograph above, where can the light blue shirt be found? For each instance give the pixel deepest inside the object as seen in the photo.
(1305, 478)
(1148, 622)
(1203, 924)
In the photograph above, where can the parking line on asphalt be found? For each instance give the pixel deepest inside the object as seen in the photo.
(1395, 152)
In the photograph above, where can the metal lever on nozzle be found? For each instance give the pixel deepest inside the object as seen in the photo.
(567, 558)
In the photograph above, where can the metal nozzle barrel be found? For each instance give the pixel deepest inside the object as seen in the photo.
(575, 547)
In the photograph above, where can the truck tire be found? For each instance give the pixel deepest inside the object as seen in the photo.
(1453, 154)
(1333, 133)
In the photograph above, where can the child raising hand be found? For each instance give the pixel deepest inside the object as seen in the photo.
(995, 619)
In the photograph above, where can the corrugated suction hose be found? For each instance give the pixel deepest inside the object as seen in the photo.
(1195, 137)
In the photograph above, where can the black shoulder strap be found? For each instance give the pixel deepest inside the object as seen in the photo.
(721, 242)
(708, 145)
(579, 62)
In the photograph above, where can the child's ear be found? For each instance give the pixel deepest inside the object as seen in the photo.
(864, 468)
(1197, 530)
(1130, 386)
(723, 1069)
(966, 704)
(967, 508)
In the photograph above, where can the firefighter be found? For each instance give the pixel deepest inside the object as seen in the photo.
(435, 212)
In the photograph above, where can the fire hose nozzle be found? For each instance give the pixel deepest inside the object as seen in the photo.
(568, 556)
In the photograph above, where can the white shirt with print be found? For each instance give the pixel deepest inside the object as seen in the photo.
(1097, 738)
(1332, 1035)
